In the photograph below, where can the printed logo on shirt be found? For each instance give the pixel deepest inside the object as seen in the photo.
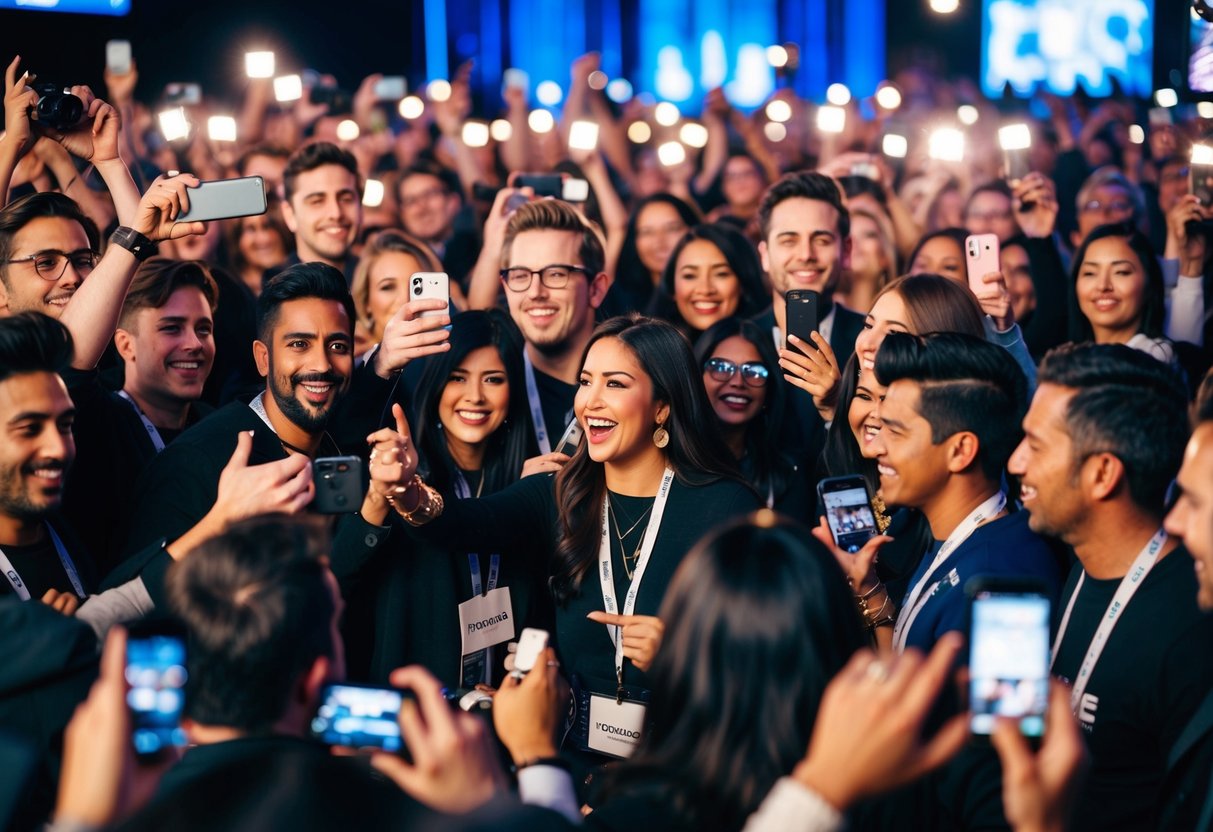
(15, 579)
(1086, 710)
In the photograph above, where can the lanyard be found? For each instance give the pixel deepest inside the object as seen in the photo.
(494, 569)
(152, 433)
(920, 595)
(19, 586)
(532, 397)
(258, 407)
(605, 572)
(1129, 585)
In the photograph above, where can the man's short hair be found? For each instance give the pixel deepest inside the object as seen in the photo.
(157, 279)
(557, 215)
(31, 342)
(302, 280)
(428, 167)
(967, 384)
(994, 186)
(1127, 404)
(271, 150)
(259, 610)
(315, 155)
(20, 212)
(1111, 176)
(805, 185)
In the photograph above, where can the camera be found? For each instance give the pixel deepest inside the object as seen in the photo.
(57, 109)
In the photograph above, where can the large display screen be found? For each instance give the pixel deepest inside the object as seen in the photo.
(1056, 45)
(1200, 55)
(111, 7)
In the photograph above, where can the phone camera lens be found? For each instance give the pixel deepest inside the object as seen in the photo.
(416, 288)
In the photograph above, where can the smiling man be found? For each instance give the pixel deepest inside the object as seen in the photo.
(323, 206)
(47, 247)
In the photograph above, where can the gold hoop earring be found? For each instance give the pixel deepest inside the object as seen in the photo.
(661, 436)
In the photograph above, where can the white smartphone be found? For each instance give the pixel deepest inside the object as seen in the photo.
(183, 93)
(981, 258)
(222, 199)
(531, 643)
(431, 286)
(575, 190)
(516, 78)
(583, 135)
(571, 439)
(118, 56)
(390, 88)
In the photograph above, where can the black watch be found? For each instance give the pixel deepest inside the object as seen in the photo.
(134, 242)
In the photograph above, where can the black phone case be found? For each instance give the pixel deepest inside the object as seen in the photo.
(338, 484)
(801, 314)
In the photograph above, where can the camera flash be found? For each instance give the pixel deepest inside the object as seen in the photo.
(475, 134)
(1137, 134)
(1202, 154)
(221, 128)
(947, 144)
(1166, 97)
(347, 130)
(259, 64)
(411, 107)
(666, 114)
(541, 121)
(774, 131)
(831, 119)
(501, 130)
(1015, 137)
(583, 135)
(838, 94)
(288, 88)
(779, 110)
(372, 195)
(173, 124)
(439, 90)
(895, 146)
(671, 153)
(639, 132)
(888, 97)
(693, 134)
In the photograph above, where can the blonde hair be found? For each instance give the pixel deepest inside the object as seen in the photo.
(383, 242)
(557, 215)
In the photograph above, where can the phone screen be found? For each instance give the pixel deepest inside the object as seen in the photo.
(155, 671)
(359, 717)
(850, 516)
(1009, 660)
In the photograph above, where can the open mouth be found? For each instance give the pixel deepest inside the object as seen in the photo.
(1026, 493)
(735, 401)
(49, 476)
(473, 417)
(886, 471)
(869, 432)
(541, 313)
(599, 429)
(316, 392)
(706, 307)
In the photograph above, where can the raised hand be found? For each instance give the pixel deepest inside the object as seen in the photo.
(95, 138)
(995, 300)
(859, 567)
(165, 200)
(814, 370)
(1035, 202)
(527, 712)
(407, 335)
(393, 460)
(280, 487)
(19, 102)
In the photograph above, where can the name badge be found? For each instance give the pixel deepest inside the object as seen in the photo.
(615, 727)
(486, 620)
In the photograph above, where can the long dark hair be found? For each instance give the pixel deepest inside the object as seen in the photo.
(841, 455)
(771, 469)
(742, 259)
(758, 619)
(631, 276)
(1154, 305)
(507, 445)
(696, 452)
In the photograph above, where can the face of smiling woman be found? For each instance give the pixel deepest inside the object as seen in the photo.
(615, 406)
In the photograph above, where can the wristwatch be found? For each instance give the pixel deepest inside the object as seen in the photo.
(134, 242)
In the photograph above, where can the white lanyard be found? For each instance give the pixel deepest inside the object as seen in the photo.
(605, 572)
(1129, 584)
(258, 407)
(19, 586)
(494, 569)
(152, 433)
(777, 337)
(532, 396)
(918, 597)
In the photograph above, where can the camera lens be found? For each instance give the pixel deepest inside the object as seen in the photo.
(416, 288)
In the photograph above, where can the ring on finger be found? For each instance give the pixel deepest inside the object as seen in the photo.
(877, 672)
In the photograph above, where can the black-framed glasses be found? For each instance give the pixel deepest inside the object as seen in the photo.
(753, 374)
(51, 264)
(555, 276)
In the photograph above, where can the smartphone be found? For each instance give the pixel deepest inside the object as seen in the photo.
(155, 675)
(571, 439)
(187, 94)
(1015, 164)
(516, 79)
(1008, 654)
(431, 286)
(118, 56)
(390, 88)
(583, 135)
(981, 258)
(1200, 174)
(359, 716)
(801, 314)
(544, 184)
(221, 199)
(848, 509)
(531, 643)
(338, 481)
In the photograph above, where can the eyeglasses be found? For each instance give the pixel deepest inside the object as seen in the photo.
(51, 264)
(1119, 206)
(752, 373)
(424, 196)
(555, 276)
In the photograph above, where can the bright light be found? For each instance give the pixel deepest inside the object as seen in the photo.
(1166, 97)
(888, 97)
(967, 114)
(221, 128)
(501, 130)
(597, 80)
(1202, 154)
(541, 121)
(438, 90)
(666, 114)
(619, 90)
(475, 133)
(548, 93)
(583, 135)
(174, 125)
(1204, 109)
(895, 146)
(779, 110)
(947, 144)
(1136, 134)
(775, 131)
(372, 195)
(831, 119)
(347, 130)
(944, 6)
(838, 94)
(259, 64)
(411, 107)
(693, 134)
(288, 88)
(639, 132)
(1015, 137)
(672, 153)
(777, 56)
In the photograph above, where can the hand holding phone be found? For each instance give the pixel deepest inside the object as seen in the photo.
(570, 439)
(801, 314)
(981, 259)
(1008, 654)
(156, 674)
(221, 199)
(848, 511)
(359, 716)
(531, 644)
(431, 286)
(338, 481)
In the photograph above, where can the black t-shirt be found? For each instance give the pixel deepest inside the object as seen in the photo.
(39, 567)
(1151, 676)
(556, 399)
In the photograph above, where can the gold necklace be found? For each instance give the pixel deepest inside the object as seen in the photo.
(629, 562)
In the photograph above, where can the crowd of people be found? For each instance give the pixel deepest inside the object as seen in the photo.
(175, 396)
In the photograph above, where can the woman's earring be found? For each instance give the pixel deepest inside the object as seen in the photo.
(661, 436)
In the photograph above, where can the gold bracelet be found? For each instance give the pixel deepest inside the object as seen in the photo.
(429, 503)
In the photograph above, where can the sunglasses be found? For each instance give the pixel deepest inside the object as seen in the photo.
(753, 373)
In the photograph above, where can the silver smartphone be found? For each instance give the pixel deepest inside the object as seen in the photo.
(570, 440)
(222, 199)
(118, 56)
(390, 88)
